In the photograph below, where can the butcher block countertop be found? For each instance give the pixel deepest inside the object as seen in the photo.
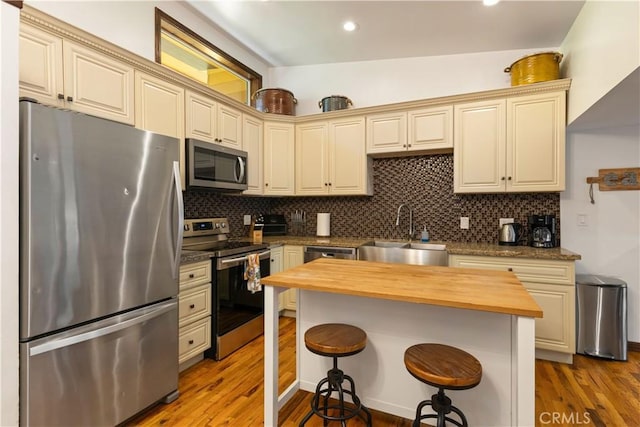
(472, 289)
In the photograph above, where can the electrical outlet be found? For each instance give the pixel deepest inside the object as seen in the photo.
(464, 222)
(247, 220)
(504, 221)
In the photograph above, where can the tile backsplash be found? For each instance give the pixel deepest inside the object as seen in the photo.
(425, 183)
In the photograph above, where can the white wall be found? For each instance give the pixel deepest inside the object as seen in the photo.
(610, 242)
(601, 49)
(9, 20)
(131, 25)
(369, 83)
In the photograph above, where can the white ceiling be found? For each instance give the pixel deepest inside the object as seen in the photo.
(289, 33)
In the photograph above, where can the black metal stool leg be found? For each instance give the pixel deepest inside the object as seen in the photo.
(441, 405)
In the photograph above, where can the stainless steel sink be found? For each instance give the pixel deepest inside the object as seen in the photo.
(404, 252)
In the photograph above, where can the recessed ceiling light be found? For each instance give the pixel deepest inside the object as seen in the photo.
(350, 26)
(490, 2)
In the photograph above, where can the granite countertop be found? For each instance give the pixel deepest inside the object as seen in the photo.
(188, 256)
(453, 248)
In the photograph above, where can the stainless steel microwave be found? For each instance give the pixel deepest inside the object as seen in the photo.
(215, 167)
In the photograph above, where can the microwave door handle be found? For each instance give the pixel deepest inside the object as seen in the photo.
(240, 178)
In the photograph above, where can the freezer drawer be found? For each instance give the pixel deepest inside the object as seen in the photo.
(102, 373)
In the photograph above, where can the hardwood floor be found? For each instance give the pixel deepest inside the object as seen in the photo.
(591, 392)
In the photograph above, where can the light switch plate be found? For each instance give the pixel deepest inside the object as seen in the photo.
(464, 222)
(247, 220)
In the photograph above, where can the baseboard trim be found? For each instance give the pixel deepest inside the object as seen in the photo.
(633, 346)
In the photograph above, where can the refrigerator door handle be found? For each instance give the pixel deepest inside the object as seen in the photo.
(93, 334)
(178, 184)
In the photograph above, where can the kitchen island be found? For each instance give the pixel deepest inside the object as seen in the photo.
(487, 313)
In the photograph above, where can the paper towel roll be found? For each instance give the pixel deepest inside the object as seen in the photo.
(324, 224)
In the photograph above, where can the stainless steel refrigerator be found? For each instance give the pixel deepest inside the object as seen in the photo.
(101, 221)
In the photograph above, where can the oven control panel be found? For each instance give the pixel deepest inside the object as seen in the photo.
(205, 226)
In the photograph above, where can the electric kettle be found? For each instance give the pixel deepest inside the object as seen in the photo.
(510, 234)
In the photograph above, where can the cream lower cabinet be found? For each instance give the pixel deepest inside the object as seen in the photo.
(510, 145)
(279, 159)
(252, 143)
(160, 109)
(552, 284)
(277, 265)
(194, 313)
(59, 72)
(331, 158)
(293, 257)
(211, 121)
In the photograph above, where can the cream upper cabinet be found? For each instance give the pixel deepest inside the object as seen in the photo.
(160, 109)
(331, 158)
(279, 159)
(59, 72)
(512, 145)
(536, 149)
(210, 121)
(551, 283)
(386, 133)
(411, 131)
(252, 137)
(312, 168)
(430, 129)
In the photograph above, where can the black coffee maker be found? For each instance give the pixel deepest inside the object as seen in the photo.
(543, 232)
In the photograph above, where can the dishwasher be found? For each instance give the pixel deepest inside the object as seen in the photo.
(315, 252)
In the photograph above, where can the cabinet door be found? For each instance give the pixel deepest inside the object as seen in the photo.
(293, 256)
(348, 162)
(556, 330)
(229, 122)
(40, 64)
(311, 159)
(279, 159)
(160, 109)
(386, 133)
(200, 117)
(252, 144)
(479, 147)
(97, 84)
(430, 128)
(536, 142)
(277, 265)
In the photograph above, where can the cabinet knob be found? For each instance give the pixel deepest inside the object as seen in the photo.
(509, 269)
(192, 306)
(60, 96)
(325, 184)
(272, 260)
(70, 98)
(191, 276)
(329, 184)
(190, 342)
(266, 184)
(404, 145)
(509, 178)
(409, 145)
(502, 179)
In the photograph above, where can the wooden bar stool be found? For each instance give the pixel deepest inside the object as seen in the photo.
(444, 367)
(335, 340)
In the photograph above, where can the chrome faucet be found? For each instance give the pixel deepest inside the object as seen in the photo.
(411, 229)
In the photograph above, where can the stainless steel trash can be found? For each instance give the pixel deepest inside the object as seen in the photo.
(601, 316)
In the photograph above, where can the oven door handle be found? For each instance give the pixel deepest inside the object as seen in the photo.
(223, 263)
